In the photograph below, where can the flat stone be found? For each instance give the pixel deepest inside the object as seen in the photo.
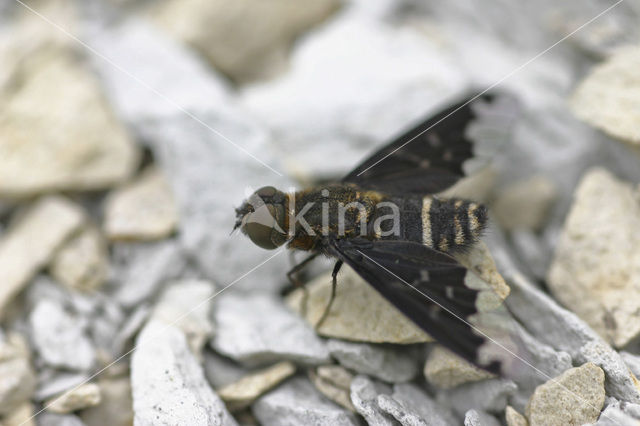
(141, 210)
(82, 263)
(241, 394)
(31, 241)
(20, 416)
(83, 396)
(334, 382)
(525, 204)
(411, 406)
(298, 402)
(387, 363)
(187, 306)
(55, 382)
(574, 398)
(59, 337)
(43, 145)
(597, 260)
(490, 395)
(130, 328)
(115, 405)
(358, 312)
(609, 97)
(479, 418)
(258, 328)
(168, 384)
(221, 371)
(261, 34)
(364, 396)
(513, 418)
(52, 419)
(140, 269)
(446, 370)
(18, 379)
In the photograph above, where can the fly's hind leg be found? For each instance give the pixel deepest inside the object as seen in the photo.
(334, 284)
(296, 283)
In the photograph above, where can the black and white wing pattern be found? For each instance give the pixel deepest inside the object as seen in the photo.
(429, 288)
(431, 157)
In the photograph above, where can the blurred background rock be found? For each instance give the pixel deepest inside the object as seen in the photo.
(130, 129)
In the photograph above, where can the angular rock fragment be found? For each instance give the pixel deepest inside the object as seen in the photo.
(387, 363)
(83, 396)
(17, 379)
(410, 406)
(513, 418)
(364, 396)
(115, 405)
(59, 337)
(525, 204)
(241, 394)
(141, 210)
(490, 395)
(609, 97)
(297, 402)
(43, 145)
(32, 240)
(53, 419)
(596, 265)
(258, 328)
(446, 370)
(221, 371)
(82, 263)
(168, 385)
(187, 306)
(248, 40)
(334, 382)
(574, 398)
(52, 382)
(479, 418)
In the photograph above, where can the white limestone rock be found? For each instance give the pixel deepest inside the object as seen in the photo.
(52, 419)
(17, 378)
(411, 406)
(609, 97)
(258, 328)
(298, 402)
(490, 395)
(83, 396)
(245, 40)
(574, 398)
(59, 337)
(479, 418)
(364, 396)
(144, 209)
(221, 371)
(52, 382)
(597, 261)
(82, 263)
(32, 240)
(334, 382)
(387, 363)
(168, 384)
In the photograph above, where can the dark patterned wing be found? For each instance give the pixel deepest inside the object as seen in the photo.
(429, 288)
(431, 157)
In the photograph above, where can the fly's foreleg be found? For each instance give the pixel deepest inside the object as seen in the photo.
(334, 285)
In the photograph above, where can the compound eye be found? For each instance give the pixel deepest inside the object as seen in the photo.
(259, 227)
(266, 191)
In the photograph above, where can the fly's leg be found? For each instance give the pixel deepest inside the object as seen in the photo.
(334, 284)
(296, 283)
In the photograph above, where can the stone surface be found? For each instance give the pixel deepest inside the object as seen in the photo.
(44, 146)
(83, 396)
(168, 385)
(334, 382)
(115, 405)
(479, 418)
(32, 240)
(52, 382)
(52, 419)
(82, 263)
(187, 306)
(141, 210)
(246, 41)
(387, 363)
(258, 328)
(410, 406)
(597, 261)
(20, 416)
(525, 204)
(297, 402)
(221, 371)
(18, 380)
(447, 370)
(609, 97)
(490, 395)
(59, 338)
(364, 396)
(574, 398)
(513, 418)
(241, 394)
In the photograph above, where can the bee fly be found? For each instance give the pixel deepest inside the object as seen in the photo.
(386, 222)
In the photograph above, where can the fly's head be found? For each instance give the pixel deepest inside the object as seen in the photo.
(261, 217)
